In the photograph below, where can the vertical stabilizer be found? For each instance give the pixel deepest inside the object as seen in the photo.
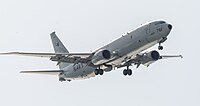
(57, 44)
(59, 48)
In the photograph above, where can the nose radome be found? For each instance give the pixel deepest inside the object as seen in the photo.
(170, 26)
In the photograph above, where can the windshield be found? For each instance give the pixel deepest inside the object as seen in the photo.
(160, 22)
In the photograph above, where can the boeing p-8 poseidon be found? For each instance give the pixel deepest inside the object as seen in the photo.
(125, 51)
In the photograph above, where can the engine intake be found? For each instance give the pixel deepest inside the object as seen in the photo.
(155, 55)
(106, 54)
(150, 57)
(101, 57)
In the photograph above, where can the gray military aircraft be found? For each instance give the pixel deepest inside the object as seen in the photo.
(125, 51)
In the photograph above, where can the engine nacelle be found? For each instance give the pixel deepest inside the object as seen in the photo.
(101, 57)
(150, 57)
(154, 55)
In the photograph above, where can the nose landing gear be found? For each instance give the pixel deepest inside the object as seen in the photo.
(160, 47)
(161, 41)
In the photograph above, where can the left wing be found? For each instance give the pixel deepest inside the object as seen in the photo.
(147, 63)
(146, 59)
(170, 56)
(61, 57)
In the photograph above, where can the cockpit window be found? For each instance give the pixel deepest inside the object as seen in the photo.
(160, 22)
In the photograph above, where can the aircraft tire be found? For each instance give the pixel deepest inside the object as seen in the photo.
(96, 71)
(129, 72)
(160, 47)
(125, 72)
(100, 72)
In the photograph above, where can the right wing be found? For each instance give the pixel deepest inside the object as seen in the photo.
(46, 72)
(61, 57)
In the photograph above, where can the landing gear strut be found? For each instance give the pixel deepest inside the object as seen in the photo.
(127, 71)
(161, 41)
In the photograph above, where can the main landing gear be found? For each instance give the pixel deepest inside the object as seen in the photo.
(98, 71)
(127, 71)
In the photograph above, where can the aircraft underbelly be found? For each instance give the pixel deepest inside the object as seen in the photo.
(79, 71)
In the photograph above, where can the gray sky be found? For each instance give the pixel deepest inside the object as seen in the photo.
(84, 25)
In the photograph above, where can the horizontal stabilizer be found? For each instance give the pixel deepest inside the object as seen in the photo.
(46, 72)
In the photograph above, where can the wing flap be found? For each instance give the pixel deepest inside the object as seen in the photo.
(45, 72)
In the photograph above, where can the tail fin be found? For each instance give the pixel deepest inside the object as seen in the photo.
(59, 48)
(57, 44)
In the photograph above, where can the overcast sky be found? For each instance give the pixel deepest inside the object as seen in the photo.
(83, 26)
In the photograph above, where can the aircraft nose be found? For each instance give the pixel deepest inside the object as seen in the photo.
(170, 26)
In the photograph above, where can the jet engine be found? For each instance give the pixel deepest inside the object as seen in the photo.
(154, 55)
(150, 57)
(101, 57)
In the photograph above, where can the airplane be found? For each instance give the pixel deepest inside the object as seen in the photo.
(125, 51)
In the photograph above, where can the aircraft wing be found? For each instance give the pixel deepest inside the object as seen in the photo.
(161, 57)
(61, 57)
(145, 60)
(46, 72)
(170, 56)
(48, 55)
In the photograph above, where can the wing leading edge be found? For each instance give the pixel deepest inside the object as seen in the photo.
(48, 55)
(61, 57)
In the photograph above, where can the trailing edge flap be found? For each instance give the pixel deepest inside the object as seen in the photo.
(46, 72)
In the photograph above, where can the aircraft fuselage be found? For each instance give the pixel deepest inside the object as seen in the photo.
(127, 46)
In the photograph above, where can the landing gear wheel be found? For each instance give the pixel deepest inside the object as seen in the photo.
(100, 72)
(96, 72)
(160, 47)
(125, 72)
(129, 72)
